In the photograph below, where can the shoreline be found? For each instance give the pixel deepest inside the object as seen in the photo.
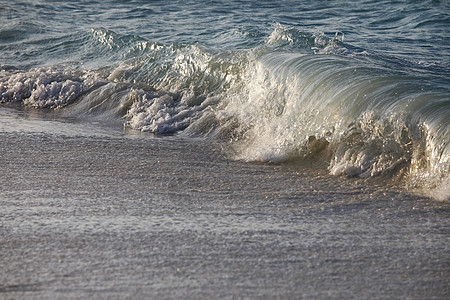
(89, 216)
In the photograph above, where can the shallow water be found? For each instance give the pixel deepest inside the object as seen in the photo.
(199, 149)
(366, 84)
(98, 213)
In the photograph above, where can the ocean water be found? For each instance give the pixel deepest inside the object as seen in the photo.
(238, 149)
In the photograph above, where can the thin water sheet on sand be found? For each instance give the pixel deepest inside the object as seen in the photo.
(103, 214)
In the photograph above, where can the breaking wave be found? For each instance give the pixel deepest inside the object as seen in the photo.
(300, 96)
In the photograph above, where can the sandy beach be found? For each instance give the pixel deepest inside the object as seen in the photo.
(94, 212)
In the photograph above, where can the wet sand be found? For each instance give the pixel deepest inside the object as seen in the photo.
(94, 213)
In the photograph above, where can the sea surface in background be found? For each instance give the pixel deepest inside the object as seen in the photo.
(313, 133)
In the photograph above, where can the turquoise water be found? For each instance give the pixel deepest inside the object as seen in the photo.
(34, 30)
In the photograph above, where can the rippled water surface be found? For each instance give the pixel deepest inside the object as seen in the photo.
(209, 149)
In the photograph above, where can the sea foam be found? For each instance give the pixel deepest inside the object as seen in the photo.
(300, 96)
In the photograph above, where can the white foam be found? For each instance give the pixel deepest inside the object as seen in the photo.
(441, 191)
(160, 112)
(42, 88)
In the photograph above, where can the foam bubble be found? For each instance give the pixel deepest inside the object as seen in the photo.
(162, 112)
(43, 88)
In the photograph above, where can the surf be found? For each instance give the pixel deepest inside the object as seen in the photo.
(299, 96)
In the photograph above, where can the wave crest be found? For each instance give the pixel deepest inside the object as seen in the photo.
(276, 102)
